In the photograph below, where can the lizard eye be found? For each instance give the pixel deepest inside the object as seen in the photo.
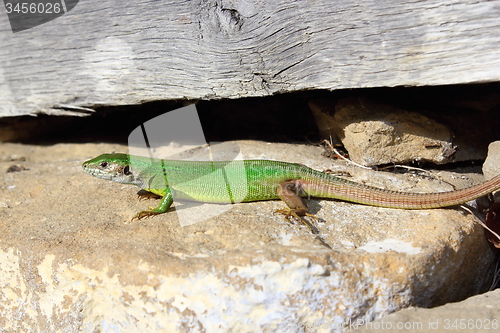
(126, 171)
(104, 164)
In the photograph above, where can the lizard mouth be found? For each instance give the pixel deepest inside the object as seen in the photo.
(96, 172)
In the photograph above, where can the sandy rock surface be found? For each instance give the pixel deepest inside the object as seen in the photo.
(480, 313)
(72, 260)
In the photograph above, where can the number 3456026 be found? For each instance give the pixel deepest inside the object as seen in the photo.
(33, 8)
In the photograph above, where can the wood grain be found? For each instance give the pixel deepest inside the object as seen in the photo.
(129, 52)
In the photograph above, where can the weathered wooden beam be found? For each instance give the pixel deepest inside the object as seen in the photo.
(128, 52)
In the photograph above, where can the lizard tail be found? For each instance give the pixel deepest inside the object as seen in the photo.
(368, 195)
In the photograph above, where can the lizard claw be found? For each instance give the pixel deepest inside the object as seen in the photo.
(298, 214)
(295, 213)
(287, 212)
(144, 213)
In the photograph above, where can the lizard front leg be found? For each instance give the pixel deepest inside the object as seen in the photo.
(165, 203)
(143, 194)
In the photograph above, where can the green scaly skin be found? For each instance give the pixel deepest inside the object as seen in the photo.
(256, 180)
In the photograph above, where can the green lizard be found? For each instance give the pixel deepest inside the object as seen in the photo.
(256, 180)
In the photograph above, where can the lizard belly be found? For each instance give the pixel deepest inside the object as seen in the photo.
(231, 193)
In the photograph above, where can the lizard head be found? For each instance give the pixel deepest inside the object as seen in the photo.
(115, 167)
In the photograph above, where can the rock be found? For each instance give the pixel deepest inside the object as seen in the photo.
(71, 260)
(491, 169)
(377, 134)
(491, 166)
(476, 314)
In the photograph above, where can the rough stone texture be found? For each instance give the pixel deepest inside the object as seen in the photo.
(130, 52)
(72, 261)
(377, 134)
(476, 314)
(491, 166)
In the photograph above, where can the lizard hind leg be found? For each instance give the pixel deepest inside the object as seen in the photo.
(289, 191)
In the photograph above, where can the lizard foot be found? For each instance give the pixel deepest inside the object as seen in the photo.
(145, 213)
(299, 214)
